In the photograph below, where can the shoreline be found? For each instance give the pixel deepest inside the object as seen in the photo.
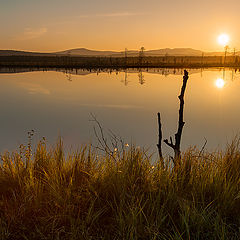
(120, 62)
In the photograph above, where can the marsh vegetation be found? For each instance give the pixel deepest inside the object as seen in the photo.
(120, 62)
(118, 194)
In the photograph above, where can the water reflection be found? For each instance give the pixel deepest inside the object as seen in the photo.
(220, 83)
(80, 71)
(125, 101)
(141, 79)
(125, 81)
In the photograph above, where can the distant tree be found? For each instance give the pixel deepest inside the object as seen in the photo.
(125, 52)
(166, 57)
(174, 60)
(202, 58)
(141, 55)
(141, 52)
(225, 55)
(125, 55)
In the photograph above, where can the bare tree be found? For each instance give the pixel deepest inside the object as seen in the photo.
(141, 52)
(125, 55)
(225, 54)
(125, 52)
(175, 146)
(202, 59)
(159, 145)
(234, 55)
(141, 55)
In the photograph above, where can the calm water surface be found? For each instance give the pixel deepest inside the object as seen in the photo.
(58, 103)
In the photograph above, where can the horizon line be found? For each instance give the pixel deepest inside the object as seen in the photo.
(119, 51)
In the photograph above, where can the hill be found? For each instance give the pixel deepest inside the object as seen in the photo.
(131, 53)
(158, 52)
(21, 53)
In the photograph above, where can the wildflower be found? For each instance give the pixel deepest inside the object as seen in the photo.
(115, 149)
(126, 145)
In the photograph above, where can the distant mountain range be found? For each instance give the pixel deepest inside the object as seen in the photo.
(89, 53)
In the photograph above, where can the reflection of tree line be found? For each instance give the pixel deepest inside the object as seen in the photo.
(233, 74)
(140, 72)
(125, 80)
(141, 79)
(86, 71)
(141, 76)
(70, 72)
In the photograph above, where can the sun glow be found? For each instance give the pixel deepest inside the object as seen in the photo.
(223, 39)
(219, 83)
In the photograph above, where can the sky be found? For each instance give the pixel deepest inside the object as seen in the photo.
(55, 25)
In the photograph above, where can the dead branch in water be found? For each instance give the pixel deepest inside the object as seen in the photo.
(176, 146)
(159, 145)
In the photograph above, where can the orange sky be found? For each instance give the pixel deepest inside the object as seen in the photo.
(53, 25)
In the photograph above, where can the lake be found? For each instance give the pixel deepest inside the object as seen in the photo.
(60, 103)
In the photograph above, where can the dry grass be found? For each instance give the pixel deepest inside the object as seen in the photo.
(45, 194)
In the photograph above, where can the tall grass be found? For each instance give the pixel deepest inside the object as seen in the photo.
(46, 194)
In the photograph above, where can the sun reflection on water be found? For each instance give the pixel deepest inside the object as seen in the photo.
(220, 83)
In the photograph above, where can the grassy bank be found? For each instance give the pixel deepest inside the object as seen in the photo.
(45, 194)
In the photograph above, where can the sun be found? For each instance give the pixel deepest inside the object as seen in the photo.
(223, 39)
(220, 83)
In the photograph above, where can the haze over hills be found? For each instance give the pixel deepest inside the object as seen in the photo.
(158, 52)
(21, 53)
(132, 53)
